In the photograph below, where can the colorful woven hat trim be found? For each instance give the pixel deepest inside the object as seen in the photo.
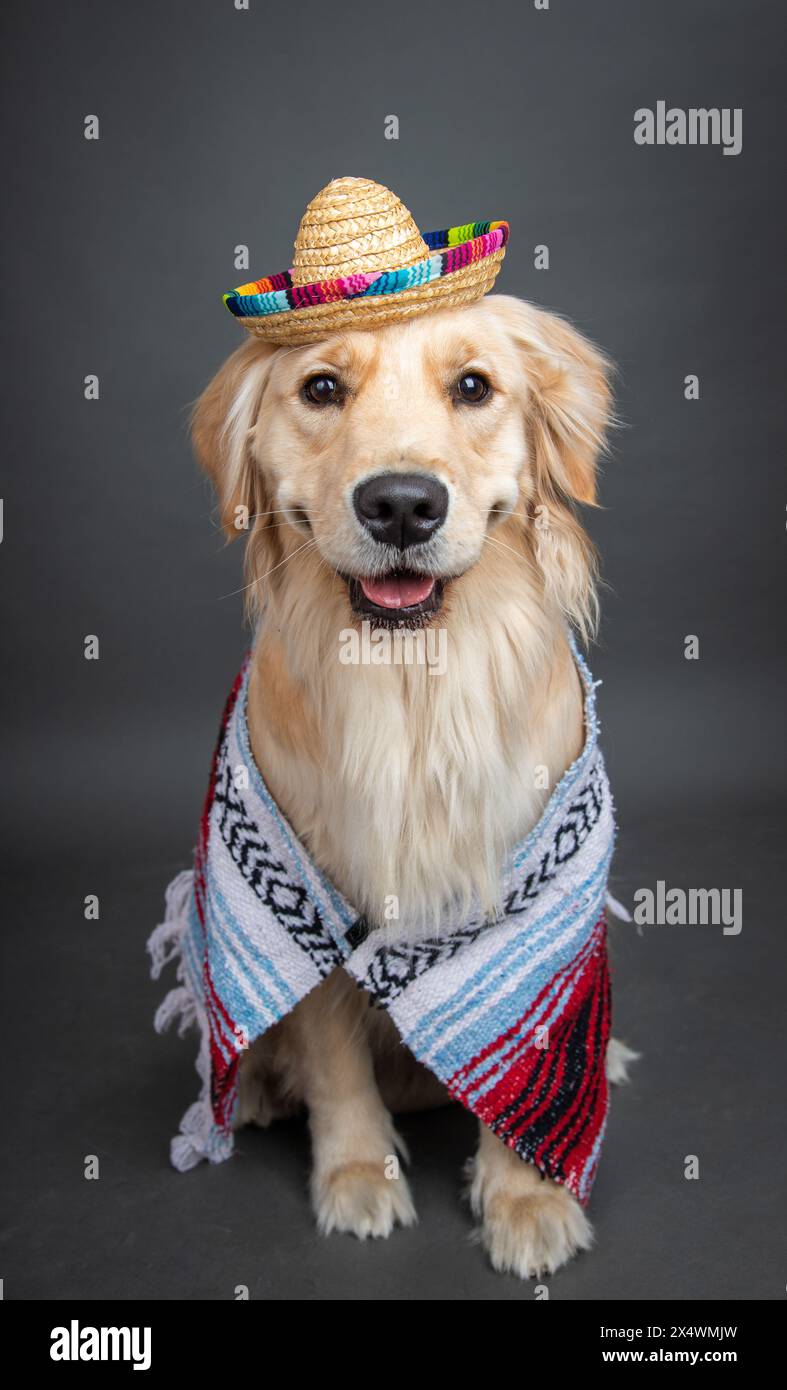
(457, 247)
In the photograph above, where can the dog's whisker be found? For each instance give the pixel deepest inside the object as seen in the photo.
(494, 541)
(261, 577)
(328, 566)
(277, 525)
(215, 519)
(333, 567)
(280, 511)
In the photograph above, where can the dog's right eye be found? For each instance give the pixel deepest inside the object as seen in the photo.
(321, 390)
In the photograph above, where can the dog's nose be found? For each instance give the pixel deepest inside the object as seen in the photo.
(401, 509)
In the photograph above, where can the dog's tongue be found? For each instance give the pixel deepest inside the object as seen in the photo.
(396, 591)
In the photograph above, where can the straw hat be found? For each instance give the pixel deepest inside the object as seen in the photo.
(361, 262)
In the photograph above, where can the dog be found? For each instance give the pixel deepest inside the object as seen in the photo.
(420, 475)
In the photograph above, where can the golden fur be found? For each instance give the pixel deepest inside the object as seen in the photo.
(402, 782)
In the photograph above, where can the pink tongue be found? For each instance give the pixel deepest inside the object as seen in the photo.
(393, 592)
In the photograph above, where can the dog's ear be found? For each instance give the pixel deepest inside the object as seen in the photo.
(221, 423)
(567, 412)
(569, 398)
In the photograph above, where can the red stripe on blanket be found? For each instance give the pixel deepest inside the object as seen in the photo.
(550, 1103)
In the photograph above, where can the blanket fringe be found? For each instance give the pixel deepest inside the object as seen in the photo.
(165, 941)
(617, 909)
(177, 1004)
(199, 1137)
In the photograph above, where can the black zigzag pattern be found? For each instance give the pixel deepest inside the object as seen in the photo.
(580, 818)
(268, 877)
(393, 968)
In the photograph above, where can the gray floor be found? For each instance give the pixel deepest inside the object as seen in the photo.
(88, 1076)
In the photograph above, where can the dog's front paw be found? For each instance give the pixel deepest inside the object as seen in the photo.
(358, 1197)
(534, 1233)
(529, 1225)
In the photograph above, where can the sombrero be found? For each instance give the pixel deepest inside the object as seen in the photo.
(361, 262)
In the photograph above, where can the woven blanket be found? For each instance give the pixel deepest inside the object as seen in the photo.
(512, 1015)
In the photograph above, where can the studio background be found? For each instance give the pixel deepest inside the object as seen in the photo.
(216, 128)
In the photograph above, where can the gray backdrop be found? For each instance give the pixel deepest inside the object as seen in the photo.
(216, 128)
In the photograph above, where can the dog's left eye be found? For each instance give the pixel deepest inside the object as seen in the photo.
(321, 390)
(473, 388)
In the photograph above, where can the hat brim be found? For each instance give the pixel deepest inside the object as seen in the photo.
(462, 268)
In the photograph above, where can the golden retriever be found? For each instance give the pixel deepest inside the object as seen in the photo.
(422, 475)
